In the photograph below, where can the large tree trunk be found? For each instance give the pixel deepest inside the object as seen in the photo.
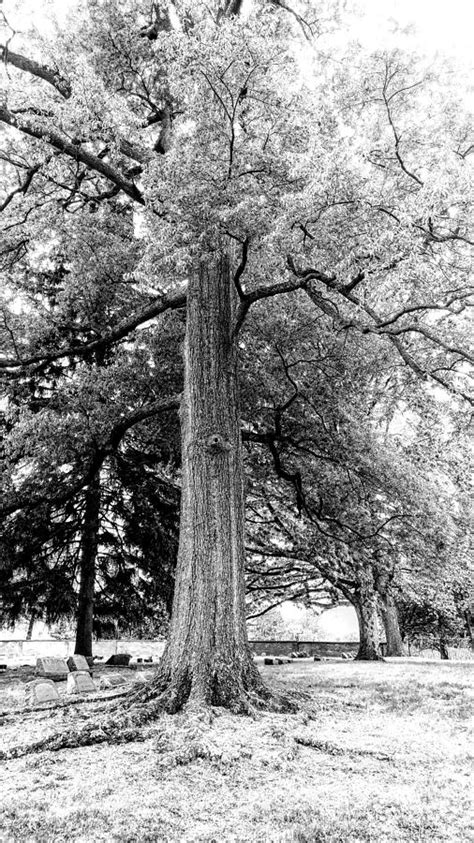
(389, 612)
(208, 659)
(89, 540)
(365, 602)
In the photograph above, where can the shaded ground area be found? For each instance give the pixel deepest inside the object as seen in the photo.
(378, 752)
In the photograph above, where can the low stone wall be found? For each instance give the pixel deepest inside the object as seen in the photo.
(26, 652)
(14, 652)
(325, 649)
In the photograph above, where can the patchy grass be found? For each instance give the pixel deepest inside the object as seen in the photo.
(378, 752)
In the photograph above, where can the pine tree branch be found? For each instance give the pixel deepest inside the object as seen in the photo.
(171, 301)
(91, 465)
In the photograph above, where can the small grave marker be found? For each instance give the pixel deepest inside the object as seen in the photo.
(80, 682)
(144, 677)
(42, 691)
(77, 662)
(111, 681)
(51, 668)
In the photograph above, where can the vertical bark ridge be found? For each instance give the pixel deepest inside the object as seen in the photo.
(208, 659)
(389, 612)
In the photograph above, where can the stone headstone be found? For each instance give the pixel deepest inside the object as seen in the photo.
(119, 660)
(52, 668)
(113, 680)
(141, 677)
(80, 682)
(41, 691)
(78, 663)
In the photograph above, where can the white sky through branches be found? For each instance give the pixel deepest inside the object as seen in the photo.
(436, 24)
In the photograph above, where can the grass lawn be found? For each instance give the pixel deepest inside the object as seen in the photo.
(378, 752)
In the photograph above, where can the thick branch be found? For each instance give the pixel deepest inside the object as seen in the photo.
(263, 293)
(63, 86)
(72, 150)
(48, 74)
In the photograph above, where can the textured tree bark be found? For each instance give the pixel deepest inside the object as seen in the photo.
(89, 541)
(388, 610)
(365, 603)
(443, 647)
(469, 629)
(208, 659)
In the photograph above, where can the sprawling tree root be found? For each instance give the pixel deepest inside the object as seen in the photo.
(195, 696)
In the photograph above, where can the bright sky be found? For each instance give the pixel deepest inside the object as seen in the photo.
(439, 25)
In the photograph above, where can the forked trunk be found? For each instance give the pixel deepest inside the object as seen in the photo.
(393, 635)
(207, 659)
(89, 541)
(365, 602)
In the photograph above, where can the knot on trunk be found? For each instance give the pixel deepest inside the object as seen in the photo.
(217, 444)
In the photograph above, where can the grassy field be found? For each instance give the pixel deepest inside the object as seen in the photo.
(378, 752)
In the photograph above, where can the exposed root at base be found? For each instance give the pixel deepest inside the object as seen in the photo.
(125, 722)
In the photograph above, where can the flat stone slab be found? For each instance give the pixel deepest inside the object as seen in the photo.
(75, 663)
(113, 680)
(41, 691)
(80, 682)
(52, 668)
